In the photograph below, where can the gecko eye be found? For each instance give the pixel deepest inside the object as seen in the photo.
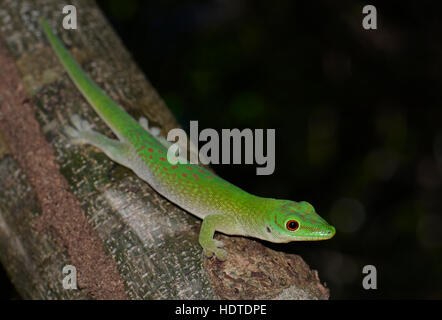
(292, 225)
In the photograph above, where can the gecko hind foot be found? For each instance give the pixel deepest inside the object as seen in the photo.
(80, 126)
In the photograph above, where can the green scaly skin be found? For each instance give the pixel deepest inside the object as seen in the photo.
(222, 206)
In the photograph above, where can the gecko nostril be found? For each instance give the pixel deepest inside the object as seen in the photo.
(268, 229)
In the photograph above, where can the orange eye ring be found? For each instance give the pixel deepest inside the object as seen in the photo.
(292, 225)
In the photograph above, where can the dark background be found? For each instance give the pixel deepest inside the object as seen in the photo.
(357, 115)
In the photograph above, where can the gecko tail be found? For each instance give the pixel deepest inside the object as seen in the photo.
(111, 113)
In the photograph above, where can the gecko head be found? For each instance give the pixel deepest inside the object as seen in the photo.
(296, 221)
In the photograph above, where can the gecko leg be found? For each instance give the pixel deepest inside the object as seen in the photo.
(210, 224)
(82, 132)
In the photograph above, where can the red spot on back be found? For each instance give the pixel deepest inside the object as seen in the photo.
(163, 159)
(160, 151)
(174, 167)
(150, 150)
(190, 168)
(195, 176)
(184, 175)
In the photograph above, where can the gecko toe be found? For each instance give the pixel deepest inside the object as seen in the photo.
(155, 131)
(80, 124)
(85, 125)
(221, 254)
(144, 123)
(71, 132)
(208, 253)
(76, 121)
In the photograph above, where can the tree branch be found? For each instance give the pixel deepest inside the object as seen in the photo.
(62, 204)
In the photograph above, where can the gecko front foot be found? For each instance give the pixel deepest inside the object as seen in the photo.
(214, 247)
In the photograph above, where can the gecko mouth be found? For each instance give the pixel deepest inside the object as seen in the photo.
(323, 235)
(326, 234)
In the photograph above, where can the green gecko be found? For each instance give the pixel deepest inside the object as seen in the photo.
(222, 206)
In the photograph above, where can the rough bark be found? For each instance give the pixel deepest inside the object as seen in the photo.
(69, 205)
